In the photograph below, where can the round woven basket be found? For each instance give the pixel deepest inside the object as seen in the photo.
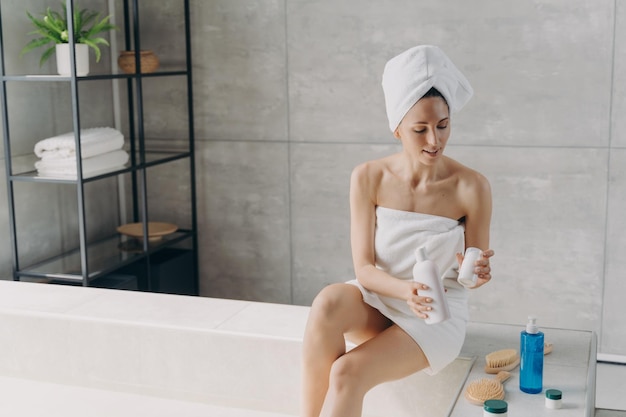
(149, 61)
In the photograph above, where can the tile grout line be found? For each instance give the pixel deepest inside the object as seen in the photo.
(288, 128)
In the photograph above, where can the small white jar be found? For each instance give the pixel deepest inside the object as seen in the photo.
(553, 399)
(495, 408)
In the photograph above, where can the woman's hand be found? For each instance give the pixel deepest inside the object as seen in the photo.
(418, 304)
(482, 270)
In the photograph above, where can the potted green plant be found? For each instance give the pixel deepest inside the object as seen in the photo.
(52, 28)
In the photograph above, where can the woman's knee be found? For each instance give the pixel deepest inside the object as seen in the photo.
(330, 301)
(346, 375)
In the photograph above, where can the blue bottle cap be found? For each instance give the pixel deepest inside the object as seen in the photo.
(554, 394)
(496, 406)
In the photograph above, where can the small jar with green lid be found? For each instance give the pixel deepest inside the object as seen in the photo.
(497, 408)
(553, 398)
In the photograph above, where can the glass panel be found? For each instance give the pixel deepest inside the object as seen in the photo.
(174, 205)
(51, 103)
(161, 35)
(16, 35)
(104, 257)
(49, 134)
(166, 113)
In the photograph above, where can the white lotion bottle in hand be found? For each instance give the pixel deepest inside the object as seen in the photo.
(425, 271)
(467, 276)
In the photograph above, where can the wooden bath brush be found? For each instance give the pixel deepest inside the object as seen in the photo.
(507, 359)
(501, 360)
(481, 390)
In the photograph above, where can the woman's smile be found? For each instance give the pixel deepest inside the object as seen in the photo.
(432, 152)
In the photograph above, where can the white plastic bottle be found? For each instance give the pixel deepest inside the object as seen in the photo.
(467, 277)
(425, 271)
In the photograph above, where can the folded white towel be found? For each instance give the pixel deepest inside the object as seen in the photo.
(66, 168)
(408, 76)
(93, 141)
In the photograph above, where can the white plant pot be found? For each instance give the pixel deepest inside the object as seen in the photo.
(63, 59)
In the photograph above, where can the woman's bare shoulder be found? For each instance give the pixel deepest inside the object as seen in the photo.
(372, 170)
(367, 177)
(467, 176)
(472, 186)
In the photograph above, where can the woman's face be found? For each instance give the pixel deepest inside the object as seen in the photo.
(425, 129)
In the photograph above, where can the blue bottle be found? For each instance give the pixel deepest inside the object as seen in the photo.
(531, 353)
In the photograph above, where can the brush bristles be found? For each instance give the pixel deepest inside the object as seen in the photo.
(485, 389)
(501, 358)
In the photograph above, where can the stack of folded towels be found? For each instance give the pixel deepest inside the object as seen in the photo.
(101, 152)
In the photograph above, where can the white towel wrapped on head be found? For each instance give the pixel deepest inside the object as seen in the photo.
(93, 141)
(408, 76)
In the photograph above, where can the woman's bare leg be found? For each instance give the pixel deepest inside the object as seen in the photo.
(338, 309)
(388, 356)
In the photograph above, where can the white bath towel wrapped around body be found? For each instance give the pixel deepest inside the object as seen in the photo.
(94, 141)
(398, 234)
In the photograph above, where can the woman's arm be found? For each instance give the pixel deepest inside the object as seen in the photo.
(363, 185)
(477, 198)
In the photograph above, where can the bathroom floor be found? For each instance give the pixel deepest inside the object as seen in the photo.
(610, 399)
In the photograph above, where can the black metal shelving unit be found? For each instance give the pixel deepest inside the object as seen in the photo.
(94, 260)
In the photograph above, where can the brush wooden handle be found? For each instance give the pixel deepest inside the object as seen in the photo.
(503, 376)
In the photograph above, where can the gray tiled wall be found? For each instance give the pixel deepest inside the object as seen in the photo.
(243, 215)
(305, 76)
(288, 101)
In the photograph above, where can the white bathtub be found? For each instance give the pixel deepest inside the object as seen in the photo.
(88, 351)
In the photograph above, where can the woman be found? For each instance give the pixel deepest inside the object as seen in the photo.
(417, 197)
